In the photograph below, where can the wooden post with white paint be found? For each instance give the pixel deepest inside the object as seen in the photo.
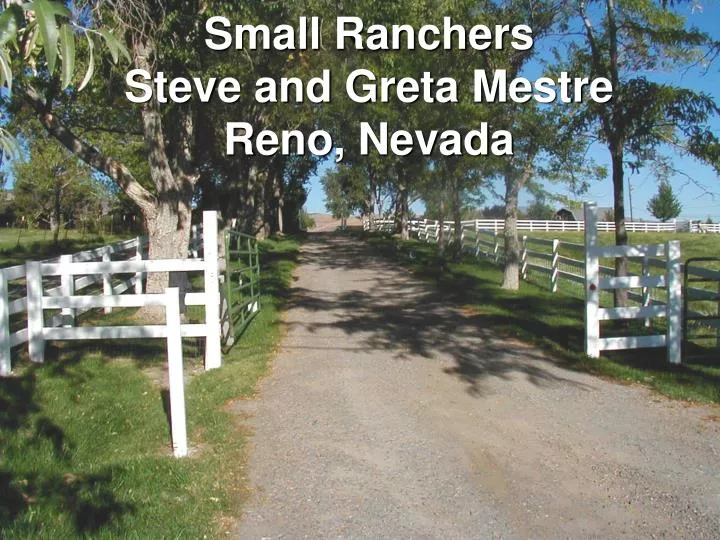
(107, 277)
(555, 266)
(67, 286)
(592, 278)
(5, 363)
(175, 373)
(36, 321)
(213, 351)
(524, 259)
(674, 304)
(139, 257)
(646, 290)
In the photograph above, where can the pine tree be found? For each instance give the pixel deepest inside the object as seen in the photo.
(665, 205)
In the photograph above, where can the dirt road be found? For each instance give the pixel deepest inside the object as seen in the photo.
(389, 414)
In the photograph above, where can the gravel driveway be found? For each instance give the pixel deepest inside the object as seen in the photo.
(390, 414)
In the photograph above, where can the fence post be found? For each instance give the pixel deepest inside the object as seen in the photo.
(496, 249)
(107, 278)
(592, 291)
(5, 365)
(213, 358)
(36, 321)
(555, 262)
(646, 290)
(175, 372)
(523, 259)
(674, 305)
(67, 286)
(139, 257)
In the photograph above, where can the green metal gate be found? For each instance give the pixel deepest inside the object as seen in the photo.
(701, 308)
(242, 285)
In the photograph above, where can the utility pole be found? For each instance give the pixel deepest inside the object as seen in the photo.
(630, 195)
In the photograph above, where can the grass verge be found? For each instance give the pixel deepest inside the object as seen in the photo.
(552, 322)
(19, 245)
(85, 439)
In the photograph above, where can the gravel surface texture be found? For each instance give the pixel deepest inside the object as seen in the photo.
(390, 414)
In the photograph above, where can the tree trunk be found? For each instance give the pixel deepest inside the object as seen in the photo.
(621, 238)
(511, 273)
(514, 181)
(403, 208)
(55, 227)
(56, 214)
(441, 218)
(457, 217)
(280, 217)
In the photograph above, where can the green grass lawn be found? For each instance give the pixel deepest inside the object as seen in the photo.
(553, 322)
(19, 245)
(85, 439)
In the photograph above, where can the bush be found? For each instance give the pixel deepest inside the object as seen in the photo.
(306, 220)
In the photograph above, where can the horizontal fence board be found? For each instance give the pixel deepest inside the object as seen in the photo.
(618, 313)
(124, 267)
(86, 281)
(120, 247)
(572, 277)
(571, 262)
(540, 241)
(631, 282)
(632, 342)
(195, 299)
(539, 254)
(543, 269)
(707, 273)
(571, 244)
(653, 250)
(705, 322)
(19, 337)
(116, 301)
(14, 272)
(121, 332)
(702, 294)
(17, 306)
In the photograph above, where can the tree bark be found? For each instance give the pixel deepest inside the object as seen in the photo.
(514, 182)
(621, 238)
(166, 212)
(56, 212)
(403, 207)
(511, 272)
(457, 217)
(441, 217)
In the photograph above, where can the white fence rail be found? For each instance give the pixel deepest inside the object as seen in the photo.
(594, 284)
(497, 225)
(97, 268)
(561, 266)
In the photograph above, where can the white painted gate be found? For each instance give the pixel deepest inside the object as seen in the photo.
(594, 284)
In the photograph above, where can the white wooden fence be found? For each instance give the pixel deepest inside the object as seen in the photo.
(420, 227)
(96, 267)
(594, 283)
(561, 266)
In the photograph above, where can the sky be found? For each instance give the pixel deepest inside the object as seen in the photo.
(698, 187)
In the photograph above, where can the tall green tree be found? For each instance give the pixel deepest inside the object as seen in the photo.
(664, 205)
(623, 41)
